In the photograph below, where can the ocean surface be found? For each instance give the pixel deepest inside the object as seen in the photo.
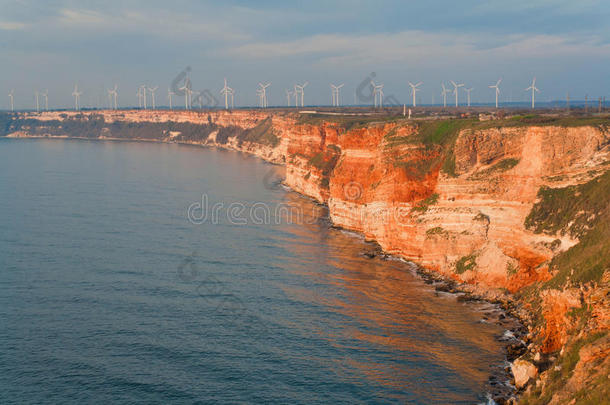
(155, 273)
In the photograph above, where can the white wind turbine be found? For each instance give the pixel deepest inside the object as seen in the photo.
(170, 93)
(455, 90)
(288, 95)
(143, 91)
(187, 93)
(152, 94)
(263, 94)
(377, 94)
(226, 91)
(534, 90)
(139, 94)
(259, 93)
(444, 94)
(232, 93)
(10, 95)
(414, 90)
(112, 96)
(115, 95)
(468, 94)
(37, 105)
(335, 94)
(300, 89)
(76, 95)
(46, 99)
(497, 87)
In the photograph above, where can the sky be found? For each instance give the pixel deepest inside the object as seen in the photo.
(54, 44)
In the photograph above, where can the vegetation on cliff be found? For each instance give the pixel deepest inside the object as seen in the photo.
(582, 211)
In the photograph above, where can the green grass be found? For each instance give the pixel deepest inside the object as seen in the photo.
(435, 231)
(511, 269)
(465, 263)
(262, 133)
(583, 211)
(539, 120)
(433, 143)
(567, 362)
(422, 206)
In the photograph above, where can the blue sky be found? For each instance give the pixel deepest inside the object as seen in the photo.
(55, 43)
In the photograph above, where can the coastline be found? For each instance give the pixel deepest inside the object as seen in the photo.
(467, 225)
(509, 316)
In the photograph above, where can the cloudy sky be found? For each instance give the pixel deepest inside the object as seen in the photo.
(54, 43)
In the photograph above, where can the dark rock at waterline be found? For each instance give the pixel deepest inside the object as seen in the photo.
(515, 350)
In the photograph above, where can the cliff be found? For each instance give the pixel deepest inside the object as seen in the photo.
(518, 206)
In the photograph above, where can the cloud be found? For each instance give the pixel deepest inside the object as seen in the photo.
(166, 23)
(418, 47)
(11, 25)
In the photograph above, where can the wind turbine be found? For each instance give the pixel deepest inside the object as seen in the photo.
(414, 90)
(143, 91)
(288, 95)
(300, 89)
(377, 93)
(187, 93)
(139, 94)
(232, 92)
(455, 90)
(468, 94)
(152, 93)
(76, 95)
(10, 95)
(534, 90)
(112, 96)
(263, 94)
(335, 94)
(496, 86)
(46, 99)
(37, 105)
(115, 94)
(226, 90)
(444, 94)
(170, 93)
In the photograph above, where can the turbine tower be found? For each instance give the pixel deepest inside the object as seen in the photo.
(496, 86)
(46, 99)
(377, 94)
(10, 95)
(139, 94)
(444, 94)
(335, 94)
(112, 97)
(300, 89)
(170, 93)
(414, 90)
(76, 95)
(115, 94)
(152, 93)
(37, 105)
(226, 91)
(468, 94)
(534, 90)
(143, 91)
(288, 95)
(263, 94)
(455, 90)
(187, 93)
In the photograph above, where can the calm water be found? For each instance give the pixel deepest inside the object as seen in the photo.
(109, 293)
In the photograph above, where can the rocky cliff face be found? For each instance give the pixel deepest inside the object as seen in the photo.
(458, 197)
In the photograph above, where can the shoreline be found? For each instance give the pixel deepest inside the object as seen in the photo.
(514, 343)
